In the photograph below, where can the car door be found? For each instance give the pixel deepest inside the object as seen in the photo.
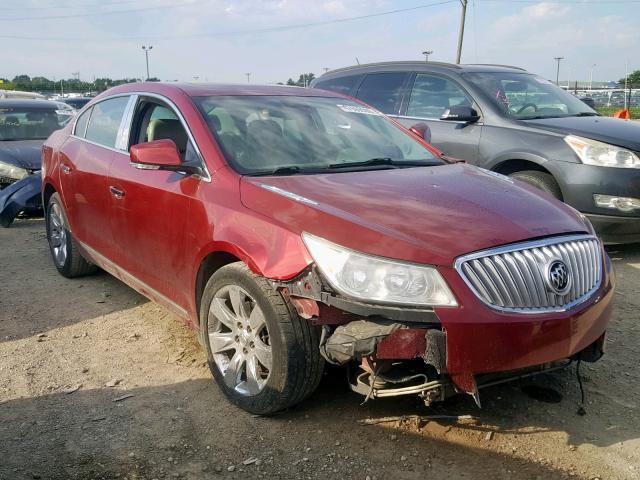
(85, 159)
(150, 208)
(428, 96)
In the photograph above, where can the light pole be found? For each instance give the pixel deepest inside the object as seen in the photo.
(557, 59)
(146, 54)
(461, 33)
(426, 54)
(326, 69)
(248, 74)
(591, 77)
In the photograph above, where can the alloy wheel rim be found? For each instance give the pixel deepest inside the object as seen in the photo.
(57, 235)
(239, 340)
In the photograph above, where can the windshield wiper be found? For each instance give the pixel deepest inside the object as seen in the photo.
(291, 170)
(384, 161)
(586, 114)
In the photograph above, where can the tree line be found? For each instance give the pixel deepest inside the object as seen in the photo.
(42, 84)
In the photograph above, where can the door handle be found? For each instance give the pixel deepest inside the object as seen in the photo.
(65, 169)
(116, 192)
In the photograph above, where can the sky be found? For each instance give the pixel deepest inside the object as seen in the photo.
(222, 40)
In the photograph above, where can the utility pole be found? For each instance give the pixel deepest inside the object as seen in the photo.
(591, 77)
(626, 84)
(146, 55)
(557, 59)
(461, 34)
(426, 54)
(248, 74)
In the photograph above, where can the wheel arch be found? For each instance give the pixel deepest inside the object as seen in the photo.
(521, 163)
(47, 191)
(209, 265)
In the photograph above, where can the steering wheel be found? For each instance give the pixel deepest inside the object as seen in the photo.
(525, 106)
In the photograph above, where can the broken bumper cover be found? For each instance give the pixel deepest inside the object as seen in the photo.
(23, 195)
(481, 340)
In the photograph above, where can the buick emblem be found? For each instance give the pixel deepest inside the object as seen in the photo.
(558, 278)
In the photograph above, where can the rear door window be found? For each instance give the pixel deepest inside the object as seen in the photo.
(342, 85)
(431, 95)
(105, 121)
(383, 91)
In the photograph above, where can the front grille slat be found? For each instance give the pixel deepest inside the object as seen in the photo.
(514, 278)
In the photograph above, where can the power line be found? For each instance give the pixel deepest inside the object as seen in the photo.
(568, 2)
(72, 5)
(231, 33)
(111, 12)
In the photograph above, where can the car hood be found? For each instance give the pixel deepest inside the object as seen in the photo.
(605, 129)
(426, 215)
(22, 153)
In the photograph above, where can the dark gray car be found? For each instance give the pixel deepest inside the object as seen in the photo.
(515, 123)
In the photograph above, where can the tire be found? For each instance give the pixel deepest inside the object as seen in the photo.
(541, 180)
(236, 353)
(64, 250)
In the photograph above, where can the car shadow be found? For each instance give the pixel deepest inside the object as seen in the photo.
(187, 430)
(33, 293)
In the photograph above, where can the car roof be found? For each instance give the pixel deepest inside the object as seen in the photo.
(27, 103)
(216, 89)
(414, 65)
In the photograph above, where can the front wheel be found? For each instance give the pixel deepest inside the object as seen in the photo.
(541, 180)
(64, 250)
(264, 357)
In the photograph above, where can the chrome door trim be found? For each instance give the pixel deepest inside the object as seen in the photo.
(135, 283)
(185, 125)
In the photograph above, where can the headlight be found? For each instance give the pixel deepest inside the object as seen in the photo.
(378, 279)
(13, 172)
(602, 154)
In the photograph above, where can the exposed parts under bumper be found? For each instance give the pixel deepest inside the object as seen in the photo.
(21, 196)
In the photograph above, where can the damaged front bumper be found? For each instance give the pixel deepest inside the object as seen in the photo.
(435, 353)
(20, 197)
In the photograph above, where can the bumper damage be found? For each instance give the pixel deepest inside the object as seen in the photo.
(21, 197)
(436, 354)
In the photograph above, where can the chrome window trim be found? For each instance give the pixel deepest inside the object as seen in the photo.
(185, 125)
(124, 130)
(122, 140)
(514, 247)
(77, 117)
(100, 145)
(479, 122)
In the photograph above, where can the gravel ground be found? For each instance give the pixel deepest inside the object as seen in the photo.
(96, 382)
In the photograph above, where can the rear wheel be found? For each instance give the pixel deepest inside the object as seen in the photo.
(64, 250)
(263, 356)
(541, 180)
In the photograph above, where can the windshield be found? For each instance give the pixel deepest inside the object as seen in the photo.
(525, 96)
(30, 124)
(289, 134)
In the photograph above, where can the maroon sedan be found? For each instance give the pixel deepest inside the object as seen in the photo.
(292, 227)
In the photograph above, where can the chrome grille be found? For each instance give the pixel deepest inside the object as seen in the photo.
(516, 277)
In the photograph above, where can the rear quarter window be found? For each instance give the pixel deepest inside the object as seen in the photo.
(342, 85)
(81, 123)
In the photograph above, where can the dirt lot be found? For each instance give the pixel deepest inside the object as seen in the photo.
(97, 382)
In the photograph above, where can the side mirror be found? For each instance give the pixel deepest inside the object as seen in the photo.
(160, 155)
(460, 113)
(422, 130)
